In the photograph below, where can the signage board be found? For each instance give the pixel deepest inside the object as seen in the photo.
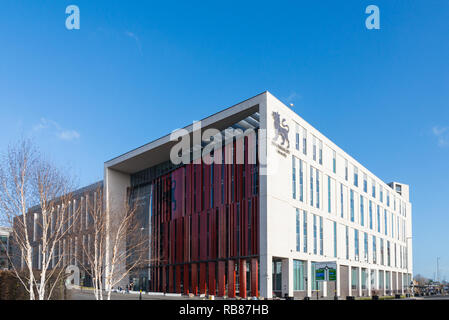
(326, 271)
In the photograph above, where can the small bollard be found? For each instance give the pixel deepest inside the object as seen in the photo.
(140, 295)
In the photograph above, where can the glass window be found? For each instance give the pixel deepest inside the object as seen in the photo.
(341, 201)
(320, 154)
(362, 212)
(315, 244)
(297, 137)
(373, 279)
(311, 186)
(356, 244)
(365, 249)
(356, 176)
(354, 278)
(316, 285)
(387, 280)
(298, 230)
(329, 202)
(392, 225)
(304, 223)
(304, 141)
(346, 170)
(382, 251)
(365, 183)
(371, 215)
(321, 235)
(334, 162)
(364, 278)
(335, 239)
(317, 177)
(314, 151)
(381, 194)
(299, 275)
(301, 181)
(381, 279)
(385, 221)
(352, 204)
(374, 250)
(378, 219)
(294, 177)
(347, 243)
(373, 188)
(388, 253)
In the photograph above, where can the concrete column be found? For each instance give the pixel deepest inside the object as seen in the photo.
(360, 281)
(368, 280)
(266, 273)
(349, 280)
(324, 289)
(287, 277)
(309, 278)
(338, 279)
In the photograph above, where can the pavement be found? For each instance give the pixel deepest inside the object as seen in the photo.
(88, 294)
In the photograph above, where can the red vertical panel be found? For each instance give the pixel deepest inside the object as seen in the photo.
(206, 186)
(186, 279)
(242, 278)
(254, 278)
(187, 236)
(234, 226)
(165, 243)
(257, 233)
(182, 191)
(212, 280)
(222, 231)
(164, 279)
(203, 236)
(173, 240)
(198, 187)
(245, 228)
(194, 278)
(202, 287)
(170, 279)
(231, 279)
(177, 184)
(231, 231)
(188, 189)
(248, 167)
(217, 181)
(178, 279)
(194, 236)
(221, 279)
(213, 235)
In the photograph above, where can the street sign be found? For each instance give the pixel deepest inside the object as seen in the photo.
(332, 275)
(326, 271)
(320, 274)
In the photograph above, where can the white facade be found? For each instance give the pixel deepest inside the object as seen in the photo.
(335, 176)
(289, 241)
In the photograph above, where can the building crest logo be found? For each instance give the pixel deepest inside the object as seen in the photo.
(281, 130)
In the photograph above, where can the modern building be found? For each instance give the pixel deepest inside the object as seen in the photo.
(77, 233)
(278, 198)
(5, 248)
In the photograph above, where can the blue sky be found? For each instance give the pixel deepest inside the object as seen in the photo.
(135, 71)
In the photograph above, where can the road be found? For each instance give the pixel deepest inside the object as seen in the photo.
(433, 298)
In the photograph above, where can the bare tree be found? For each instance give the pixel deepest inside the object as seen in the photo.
(121, 233)
(26, 180)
